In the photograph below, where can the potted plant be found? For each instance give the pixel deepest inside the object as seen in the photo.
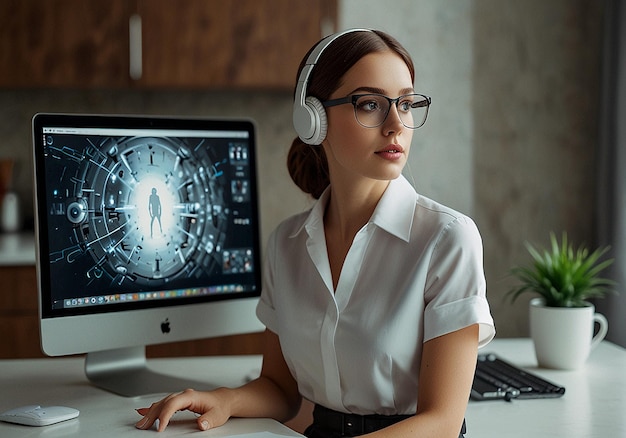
(562, 319)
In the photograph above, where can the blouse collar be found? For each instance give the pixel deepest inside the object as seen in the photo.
(394, 212)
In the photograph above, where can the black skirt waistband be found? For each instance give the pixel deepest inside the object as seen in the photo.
(327, 422)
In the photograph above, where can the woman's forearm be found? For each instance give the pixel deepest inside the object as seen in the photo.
(262, 398)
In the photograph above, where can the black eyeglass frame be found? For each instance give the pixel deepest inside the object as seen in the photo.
(352, 99)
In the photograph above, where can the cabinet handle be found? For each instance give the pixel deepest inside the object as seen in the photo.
(134, 43)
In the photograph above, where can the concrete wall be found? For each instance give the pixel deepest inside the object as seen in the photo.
(536, 87)
(511, 138)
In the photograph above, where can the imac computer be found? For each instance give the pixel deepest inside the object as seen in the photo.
(147, 232)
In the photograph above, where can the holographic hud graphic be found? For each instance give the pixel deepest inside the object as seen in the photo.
(143, 213)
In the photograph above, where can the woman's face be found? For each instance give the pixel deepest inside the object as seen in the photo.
(354, 151)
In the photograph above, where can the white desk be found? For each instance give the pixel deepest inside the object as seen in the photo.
(103, 414)
(594, 404)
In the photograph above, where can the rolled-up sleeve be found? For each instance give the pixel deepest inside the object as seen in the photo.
(455, 294)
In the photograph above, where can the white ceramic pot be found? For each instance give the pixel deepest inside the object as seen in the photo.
(564, 337)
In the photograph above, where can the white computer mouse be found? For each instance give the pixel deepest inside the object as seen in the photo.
(35, 415)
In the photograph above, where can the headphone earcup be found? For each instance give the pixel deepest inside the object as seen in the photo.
(321, 125)
(309, 115)
(309, 120)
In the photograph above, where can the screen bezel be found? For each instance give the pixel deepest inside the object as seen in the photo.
(48, 120)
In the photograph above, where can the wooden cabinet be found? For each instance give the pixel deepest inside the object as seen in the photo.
(183, 43)
(247, 43)
(19, 325)
(64, 43)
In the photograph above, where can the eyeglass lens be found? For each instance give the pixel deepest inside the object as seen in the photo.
(371, 110)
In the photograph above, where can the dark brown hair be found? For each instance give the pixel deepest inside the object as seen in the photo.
(307, 164)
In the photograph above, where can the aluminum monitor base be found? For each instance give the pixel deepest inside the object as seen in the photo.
(125, 372)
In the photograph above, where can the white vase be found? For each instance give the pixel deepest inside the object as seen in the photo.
(564, 336)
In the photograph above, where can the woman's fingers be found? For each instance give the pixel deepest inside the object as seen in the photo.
(213, 417)
(142, 411)
(163, 410)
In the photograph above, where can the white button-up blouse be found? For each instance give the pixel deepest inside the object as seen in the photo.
(414, 272)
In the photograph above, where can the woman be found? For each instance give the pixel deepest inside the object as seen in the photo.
(374, 300)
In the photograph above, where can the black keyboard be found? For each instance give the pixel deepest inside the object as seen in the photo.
(496, 379)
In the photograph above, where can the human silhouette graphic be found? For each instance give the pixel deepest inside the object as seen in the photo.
(154, 206)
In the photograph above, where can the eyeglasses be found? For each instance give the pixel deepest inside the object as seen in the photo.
(371, 110)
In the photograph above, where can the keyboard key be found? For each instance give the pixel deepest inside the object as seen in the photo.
(497, 379)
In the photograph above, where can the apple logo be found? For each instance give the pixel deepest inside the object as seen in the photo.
(165, 326)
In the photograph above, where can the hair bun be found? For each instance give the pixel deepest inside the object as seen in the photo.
(308, 167)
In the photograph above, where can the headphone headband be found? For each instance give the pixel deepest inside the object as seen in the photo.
(309, 115)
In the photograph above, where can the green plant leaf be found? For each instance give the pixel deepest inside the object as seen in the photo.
(563, 276)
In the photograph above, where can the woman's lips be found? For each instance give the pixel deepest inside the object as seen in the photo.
(391, 152)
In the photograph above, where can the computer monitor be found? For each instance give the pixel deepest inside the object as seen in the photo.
(147, 232)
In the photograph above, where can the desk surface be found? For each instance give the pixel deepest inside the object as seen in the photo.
(56, 381)
(593, 405)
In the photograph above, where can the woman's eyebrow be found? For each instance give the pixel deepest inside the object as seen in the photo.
(408, 90)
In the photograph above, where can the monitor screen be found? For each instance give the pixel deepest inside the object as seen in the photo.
(147, 232)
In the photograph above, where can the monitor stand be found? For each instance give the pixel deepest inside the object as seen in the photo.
(125, 372)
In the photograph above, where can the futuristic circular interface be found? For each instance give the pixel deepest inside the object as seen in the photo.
(148, 210)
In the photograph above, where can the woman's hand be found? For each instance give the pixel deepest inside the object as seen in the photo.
(273, 395)
(213, 408)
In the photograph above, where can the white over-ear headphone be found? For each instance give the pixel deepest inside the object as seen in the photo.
(309, 115)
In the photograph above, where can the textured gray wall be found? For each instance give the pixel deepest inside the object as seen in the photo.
(536, 91)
